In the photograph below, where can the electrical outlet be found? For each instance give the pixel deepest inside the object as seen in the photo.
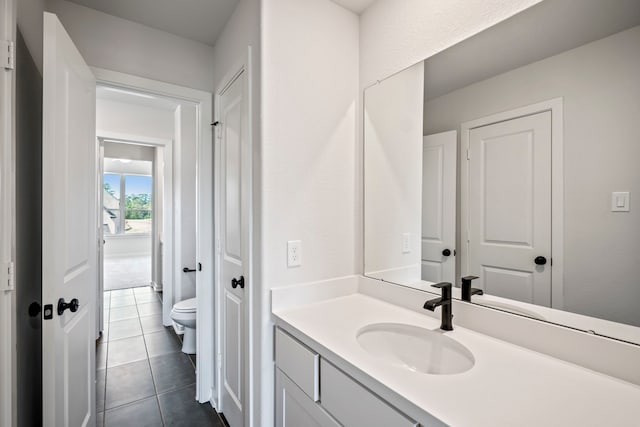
(406, 243)
(294, 253)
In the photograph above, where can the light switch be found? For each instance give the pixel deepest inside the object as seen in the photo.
(620, 201)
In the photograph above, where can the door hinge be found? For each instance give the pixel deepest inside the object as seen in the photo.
(468, 154)
(11, 277)
(8, 54)
(217, 245)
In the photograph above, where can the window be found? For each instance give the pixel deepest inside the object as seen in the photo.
(134, 214)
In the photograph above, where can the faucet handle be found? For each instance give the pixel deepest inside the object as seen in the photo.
(468, 279)
(446, 289)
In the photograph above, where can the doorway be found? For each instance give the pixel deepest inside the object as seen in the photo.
(127, 214)
(161, 127)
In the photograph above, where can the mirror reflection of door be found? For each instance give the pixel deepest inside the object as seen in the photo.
(439, 156)
(509, 208)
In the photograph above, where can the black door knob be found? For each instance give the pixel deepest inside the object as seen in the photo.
(71, 305)
(34, 309)
(446, 252)
(540, 260)
(237, 282)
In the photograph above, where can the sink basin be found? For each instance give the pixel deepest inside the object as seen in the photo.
(416, 349)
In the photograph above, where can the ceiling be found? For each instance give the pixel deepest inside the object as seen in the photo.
(357, 6)
(199, 20)
(549, 28)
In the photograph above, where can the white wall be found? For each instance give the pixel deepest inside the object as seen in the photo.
(599, 84)
(393, 176)
(133, 119)
(396, 34)
(138, 153)
(310, 110)
(106, 41)
(184, 162)
(126, 246)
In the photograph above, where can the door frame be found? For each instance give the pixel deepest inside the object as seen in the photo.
(235, 71)
(205, 356)
(555, 106)
(8, 26)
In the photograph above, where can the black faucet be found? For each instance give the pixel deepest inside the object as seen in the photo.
(467, 290)
(445, 302)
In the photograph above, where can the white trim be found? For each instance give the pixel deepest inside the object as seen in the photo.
(557, 187)
(206, 358)
(249, 374)
(8, 12)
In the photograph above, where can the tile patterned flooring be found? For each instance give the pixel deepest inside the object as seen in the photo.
(143, 379)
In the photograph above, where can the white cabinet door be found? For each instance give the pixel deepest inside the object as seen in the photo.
(439, 166)
(295, 409)
(235, 205)
(509, 208)
(69, 249)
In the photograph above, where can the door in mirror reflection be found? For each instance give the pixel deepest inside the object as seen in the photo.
(509, 207)
(439, 165)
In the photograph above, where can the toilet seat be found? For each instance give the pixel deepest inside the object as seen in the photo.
(186, 306)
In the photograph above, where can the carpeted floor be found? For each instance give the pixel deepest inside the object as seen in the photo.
(126, 272)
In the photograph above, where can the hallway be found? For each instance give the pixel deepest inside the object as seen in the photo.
(143, 379)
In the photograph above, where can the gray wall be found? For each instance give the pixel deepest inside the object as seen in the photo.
(29, 235)
(600, 84)
(106, 41)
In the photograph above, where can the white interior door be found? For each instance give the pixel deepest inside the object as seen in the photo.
(439, 166)
(68, 231)
(234, 245)
(509, 208)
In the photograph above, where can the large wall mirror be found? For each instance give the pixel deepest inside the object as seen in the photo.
(514, 156)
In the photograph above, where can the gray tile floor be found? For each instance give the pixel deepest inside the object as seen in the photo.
(143, 379)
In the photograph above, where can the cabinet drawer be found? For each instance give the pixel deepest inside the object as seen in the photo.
(299, 363)
(353, 405)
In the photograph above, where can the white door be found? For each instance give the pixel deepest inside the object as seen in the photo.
(509, 209)
(234, 245)
(68, 232)
(439, 169)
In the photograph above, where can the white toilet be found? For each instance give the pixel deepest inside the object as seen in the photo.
(184, 313)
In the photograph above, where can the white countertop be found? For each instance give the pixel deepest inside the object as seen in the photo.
(508, 385)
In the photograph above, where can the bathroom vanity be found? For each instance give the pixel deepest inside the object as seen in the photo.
(511, 158)
(407, 372)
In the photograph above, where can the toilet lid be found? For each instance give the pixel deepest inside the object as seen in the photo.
(186, 306)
